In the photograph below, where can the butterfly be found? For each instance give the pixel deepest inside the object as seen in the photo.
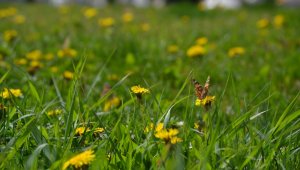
(201, 92)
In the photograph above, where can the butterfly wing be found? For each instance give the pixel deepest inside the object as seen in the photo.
(198, 89)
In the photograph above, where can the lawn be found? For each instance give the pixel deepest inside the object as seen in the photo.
(128, 88)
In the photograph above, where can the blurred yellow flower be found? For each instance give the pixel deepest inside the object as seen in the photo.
(236, 51)
(106, 22)
(90, 12)
(6, 93)
(262, 23)
(98, 130)
(6, 12)
(54, 112)
(139, 90)
(278, 21)
(206, 101)
(201, 41)
(145, 27)
(68, 75)
(127, 17)
(149, 128)
(36, 64)
(111, 103)
(195, 51)
(173, 49)
(168, 135)
(80, 130)
(80, 160)
(21, 61)
(19, 19)
(34, 55)
(67, 52)
(159, 127)
(54, 69)
(9, 35)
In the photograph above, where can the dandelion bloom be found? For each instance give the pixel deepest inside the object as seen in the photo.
(90, 12)
(19, 19)
(54, 112)
(9, 35)
(67, 52)
(34, 55)
(262, 23)
(80, 130)
(68, 75)
(98, 130)
(5, 94)
(106, 22)
(7, 12)
(206, 101)
(80, 160)
(202, 41)
(127, 17)
(173, 48)
(168, 135)
(139, 90)
(112, 102)
(236, 51)
(195, 51)
(278, 21)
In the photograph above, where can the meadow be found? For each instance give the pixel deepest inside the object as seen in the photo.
(113, 88)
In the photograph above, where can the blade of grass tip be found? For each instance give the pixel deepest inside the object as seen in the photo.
(34, 92)
(98, 78)
(285, 112)
(31, 163)
(4, 76)
(61, 100)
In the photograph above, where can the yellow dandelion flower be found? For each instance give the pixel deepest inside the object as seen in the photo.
(90, 12)
(84, 158)
(9, 35)
(195, 51)
(68, 75)
(145, 27)
(159, 127)
(168, 135)
(98, 130)
(236, 51)
(34, 55)
(80, 130)
(106, 22)
(6, 93)
(7, 12)
(54, 112)
(127, 17)
(113, 102)
(206, 101)
(201, 41)
(67, 52)
(36, 64)
(139, 90)
(175, 140)
(278, 21)
(173, 49)
(262, 23)
(19, 19)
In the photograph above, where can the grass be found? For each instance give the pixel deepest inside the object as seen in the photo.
(252, 124)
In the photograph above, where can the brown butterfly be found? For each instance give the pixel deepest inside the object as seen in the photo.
(201, 92)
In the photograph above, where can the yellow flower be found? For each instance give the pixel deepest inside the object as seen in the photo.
(54, 69)
(5, 94)
(159, 127)
(7, 12)
(113, 102)
(149, 128)
(262, 23)
(67, 52)
(34, 55)
(139, 90)
(145, 27)
(80, 160)
(106, 22)
(54, 112)
(127, 17)
(90, 12)
(236, 51)
(196, 125)
(98, 130)
(19, 19)
(9, 35)
(36, 64)
(201, 41)
(168, 135)
(173, 48)
(278, 21)
(68, 75)
(195, 51)
(206, 101)
(80, 130)
(21, 61)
